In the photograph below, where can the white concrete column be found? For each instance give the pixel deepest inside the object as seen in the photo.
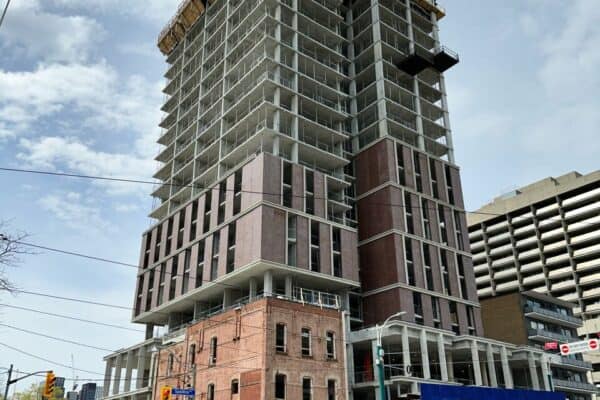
(107, 377)
(545, 373)
(442, 357)
(252, 288)
(276, 139)
(424, 354)
(535, 383)
(153, 369)
(227, 297)
(405, 351)
(288, 287)
(117, 379)
(476, 365)
(450, 364)
(484, 374)
(141, 367)
(128, 371)
(268, 284)
(508, 381)
(491, 365)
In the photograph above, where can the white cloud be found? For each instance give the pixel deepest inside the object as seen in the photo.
(74, 211)
(69, 153)
(30, 31)
(570, 71)
(101, 99)
(28, 96)
(158, 11)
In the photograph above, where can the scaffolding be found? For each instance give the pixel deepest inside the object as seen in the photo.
(188, 12)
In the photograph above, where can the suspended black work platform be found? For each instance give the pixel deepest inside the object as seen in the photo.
(444, 59)
(420, 59)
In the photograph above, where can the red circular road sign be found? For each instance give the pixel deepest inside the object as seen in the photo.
(593, 344)
(564, 348)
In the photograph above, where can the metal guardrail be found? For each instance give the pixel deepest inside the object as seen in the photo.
(300, 295)
(576, 363)
(553, 314)
(574, 385)
(548, 334)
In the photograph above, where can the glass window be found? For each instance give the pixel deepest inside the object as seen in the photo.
(330, 345)
(306, 342)
(212, 358)
(418, 308)
(434, 184)
(425, 213)
(443, 229)
(306, 389)
(410, 269)
(192, 354)
(410, 227)
(280, 386)
(210, 392)
(235, 386)
(418, 179)
(435, 307)
(427, 267)
(330, 389)
(280, 339)
(400, 160)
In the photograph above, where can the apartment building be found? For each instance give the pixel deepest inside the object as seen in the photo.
(543, 237)
(534, 319)
(301, 139)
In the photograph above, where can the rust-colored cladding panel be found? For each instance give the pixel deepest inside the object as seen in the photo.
(273, 235)
(303, 237)
(379, 261)
(375, 166)
(248, 237)
(320, 202)
(325, 248)
(376, 216)
(298, 187)
(349, 255)
(272, 179)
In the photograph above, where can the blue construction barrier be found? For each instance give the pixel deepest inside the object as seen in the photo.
(449, 392)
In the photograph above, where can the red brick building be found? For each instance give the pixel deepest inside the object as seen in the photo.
(258, 351)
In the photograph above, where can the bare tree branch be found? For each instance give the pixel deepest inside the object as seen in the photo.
(11, 251)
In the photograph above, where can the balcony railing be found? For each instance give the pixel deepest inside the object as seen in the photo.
(316, 298)
(574, 385)
(547, 334)
(552, 314)
(575, 363)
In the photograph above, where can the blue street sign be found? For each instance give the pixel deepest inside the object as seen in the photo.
(184, 392)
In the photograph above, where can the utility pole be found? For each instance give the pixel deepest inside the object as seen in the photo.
(8, 382)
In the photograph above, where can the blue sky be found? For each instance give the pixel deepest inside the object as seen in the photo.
(80, 91)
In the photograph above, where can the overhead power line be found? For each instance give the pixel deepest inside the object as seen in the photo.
(194, 186)
(48, 360)
(124, 264)
(72, 299)
(57, 338)
(70, 317)
(4, 12)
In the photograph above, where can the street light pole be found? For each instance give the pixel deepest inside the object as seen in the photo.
(11, 381)
(380, 354)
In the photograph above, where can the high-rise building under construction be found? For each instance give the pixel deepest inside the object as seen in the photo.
(308, 192)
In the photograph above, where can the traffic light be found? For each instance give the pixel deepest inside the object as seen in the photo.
(49, 385)
(165, 393)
